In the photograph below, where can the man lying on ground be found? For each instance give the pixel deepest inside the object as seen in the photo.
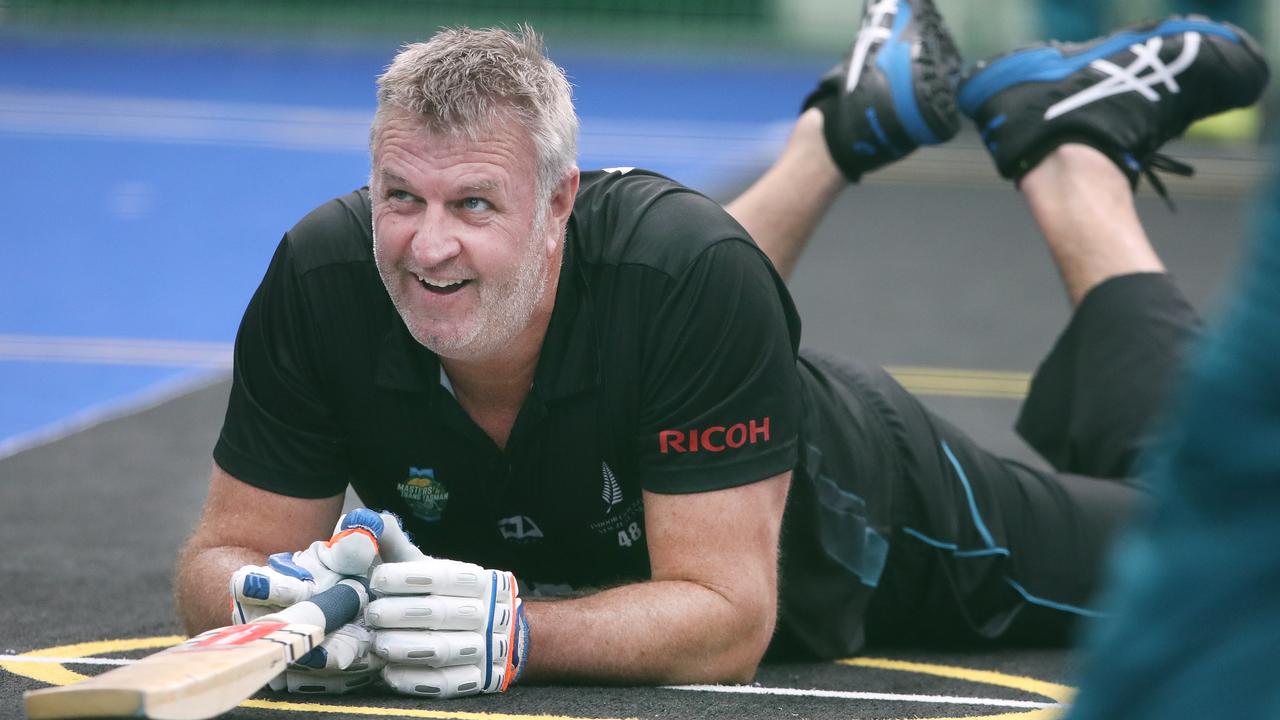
(590, 381)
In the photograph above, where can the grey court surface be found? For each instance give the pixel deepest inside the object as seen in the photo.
(915, 269)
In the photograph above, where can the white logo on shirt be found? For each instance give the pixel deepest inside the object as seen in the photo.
(612, 492)
(519, 527)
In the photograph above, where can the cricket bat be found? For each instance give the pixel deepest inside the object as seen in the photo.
(208, 674)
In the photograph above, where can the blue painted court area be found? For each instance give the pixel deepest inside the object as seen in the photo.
(147, 188)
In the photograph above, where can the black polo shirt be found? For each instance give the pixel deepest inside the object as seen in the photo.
(669, 365)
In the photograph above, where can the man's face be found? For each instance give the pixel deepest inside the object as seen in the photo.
(456, 234)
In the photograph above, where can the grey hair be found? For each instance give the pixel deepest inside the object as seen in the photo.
(465, 80)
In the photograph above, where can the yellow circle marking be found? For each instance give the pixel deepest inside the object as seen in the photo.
(57, 674)
(1057, 693)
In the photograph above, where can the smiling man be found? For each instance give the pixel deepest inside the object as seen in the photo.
(580, 392)
(469, 250)
(466, 252)
(492, 351)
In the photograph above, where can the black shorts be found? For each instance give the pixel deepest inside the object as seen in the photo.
(978, 547)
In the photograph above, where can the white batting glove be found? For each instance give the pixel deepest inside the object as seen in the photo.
(343, 661)
(290, 578)
(447, 629)
(395, 545)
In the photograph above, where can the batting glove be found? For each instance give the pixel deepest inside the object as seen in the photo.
(290, 578)
(447, 629)
(343, 661)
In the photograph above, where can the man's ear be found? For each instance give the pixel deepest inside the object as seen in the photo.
(562, 204)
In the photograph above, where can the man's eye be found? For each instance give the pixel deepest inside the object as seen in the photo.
(400, 195)
(475, 204)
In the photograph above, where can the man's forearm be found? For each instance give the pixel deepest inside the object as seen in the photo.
(646, 633)
(236, 516)
(202, 587)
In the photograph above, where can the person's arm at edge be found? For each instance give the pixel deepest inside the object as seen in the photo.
(241, 525)
(708, 613)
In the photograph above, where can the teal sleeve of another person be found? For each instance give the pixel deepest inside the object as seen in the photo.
(1196, 585)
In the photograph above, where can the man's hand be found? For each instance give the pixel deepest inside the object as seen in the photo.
(446, 628)
(342, 662)
(290, 578)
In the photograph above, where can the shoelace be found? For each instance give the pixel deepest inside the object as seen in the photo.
(1157, 161)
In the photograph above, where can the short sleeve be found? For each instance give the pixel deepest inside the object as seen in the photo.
(280, 433)
(720, 397)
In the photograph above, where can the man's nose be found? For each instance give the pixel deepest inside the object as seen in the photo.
(435, 241)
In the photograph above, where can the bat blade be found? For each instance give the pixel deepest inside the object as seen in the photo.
(208, 674)
(203, 677)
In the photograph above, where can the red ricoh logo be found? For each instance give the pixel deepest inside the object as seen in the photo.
(714, 439)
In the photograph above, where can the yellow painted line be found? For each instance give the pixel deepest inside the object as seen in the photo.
(962, 383)
(44, 672)
(961, 164)
(402, 712)
(60, 675)
(953, 382)
(1058, 693)
(55, 674)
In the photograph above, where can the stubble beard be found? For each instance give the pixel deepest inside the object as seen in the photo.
(504, 311)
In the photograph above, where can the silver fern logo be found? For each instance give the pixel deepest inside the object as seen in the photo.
(612, 492)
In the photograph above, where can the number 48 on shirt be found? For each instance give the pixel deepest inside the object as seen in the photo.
(630, 534)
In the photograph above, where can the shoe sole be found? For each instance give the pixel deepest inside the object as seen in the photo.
(926, 80)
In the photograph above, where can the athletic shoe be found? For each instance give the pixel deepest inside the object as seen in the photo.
(1125, 94)
(893, 91)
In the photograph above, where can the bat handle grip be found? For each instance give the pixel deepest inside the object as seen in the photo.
(331, 608)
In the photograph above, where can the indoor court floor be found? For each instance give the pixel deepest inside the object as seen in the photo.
(153, 188)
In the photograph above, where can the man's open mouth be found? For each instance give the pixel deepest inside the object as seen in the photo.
(442, 287)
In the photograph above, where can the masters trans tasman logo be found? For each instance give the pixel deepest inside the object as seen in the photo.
(424, 494)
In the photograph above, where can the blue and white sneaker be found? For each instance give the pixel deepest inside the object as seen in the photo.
(1125, 94)
(893, 91)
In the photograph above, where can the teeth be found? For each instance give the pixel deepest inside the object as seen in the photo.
(440, 284)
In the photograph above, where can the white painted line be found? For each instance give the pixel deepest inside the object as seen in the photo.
(206, 363)
(291, 127)
(850, 695)
(192, 122)
(116, 351)
(738, 689)
(602, 140)
(146, 399)
(64, 660)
